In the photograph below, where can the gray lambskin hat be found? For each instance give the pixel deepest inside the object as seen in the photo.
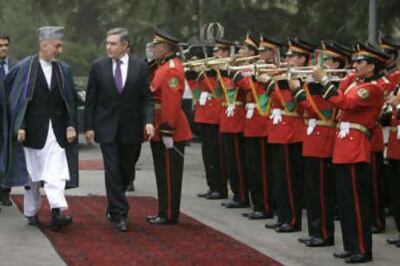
(50, 33)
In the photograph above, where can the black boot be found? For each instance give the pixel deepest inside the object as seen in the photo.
(59, 220)
(5, 196)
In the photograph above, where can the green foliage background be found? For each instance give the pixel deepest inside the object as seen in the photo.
(86, 21)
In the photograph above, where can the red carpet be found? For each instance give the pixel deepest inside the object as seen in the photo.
(91, 165)
(92, 240)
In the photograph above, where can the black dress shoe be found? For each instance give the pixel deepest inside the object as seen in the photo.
(215, 195)
(319, 242)
(272, 226)
(161, 220)
(304, 239)
(122, 225)
(377, 230)
(256, 215)
(237, 205)
(342, 254)
(33, 220)
(246, 214)
(59, 220)
(287, 228)
(393, 241)
(204, 195)
(358, 258)
(5, 200)
(130, 187)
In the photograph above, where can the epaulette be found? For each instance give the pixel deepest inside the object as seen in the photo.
(171, 63)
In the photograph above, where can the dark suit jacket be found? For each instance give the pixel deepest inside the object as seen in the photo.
(46, 105)
(118, 117)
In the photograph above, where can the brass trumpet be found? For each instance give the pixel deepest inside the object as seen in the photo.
(306, 74)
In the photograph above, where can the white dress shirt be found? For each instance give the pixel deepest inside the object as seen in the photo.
(124, 68)
(47, 70)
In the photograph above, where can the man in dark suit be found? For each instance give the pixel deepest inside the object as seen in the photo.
(5, 65)
(118, 107)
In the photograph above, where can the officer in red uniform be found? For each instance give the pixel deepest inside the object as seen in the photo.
(209, 97)
(258, 166)
(285, 134)
(172, 128)
(318, 143)
(360, 105)
(231, 127)
(391, 118)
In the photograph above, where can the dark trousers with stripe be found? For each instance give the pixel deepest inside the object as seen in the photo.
(257, 172)
(354, 195)
(287, 167)
(394, 166)
(210, 151)
(377, 190)
(119, 163)
(235, 165)
(168, 167)
(319, 187)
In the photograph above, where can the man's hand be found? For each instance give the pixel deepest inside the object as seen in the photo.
(149, 131)
(89, 136)
(21, 135)
(319, 74)
(263, 78)
(294, 84)
(71, 134)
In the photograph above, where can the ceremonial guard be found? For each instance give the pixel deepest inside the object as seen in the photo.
(258, 166)
(171, 126)
(319, 116)
(208, 97)
(391, 118)
(231, 127)
(360, 104)
(286, 132)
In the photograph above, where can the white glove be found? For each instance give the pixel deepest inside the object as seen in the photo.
(203, 98)
(250, 110)
(398, 132)
(312, 123)
(276, 116)
(344, 129)
(230, 110)
(168, 142)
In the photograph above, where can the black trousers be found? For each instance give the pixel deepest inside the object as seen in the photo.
(319, 187)
(235, 165)
(210, 145)
(287, 167)
(354, 188)
(168, 167)
(394, 166)
(378, 190)
(257, 171)
(119, 163)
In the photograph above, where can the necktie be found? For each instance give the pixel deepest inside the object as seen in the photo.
(2, 69)
(118, 75)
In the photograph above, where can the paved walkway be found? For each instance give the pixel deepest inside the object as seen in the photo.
(21, 244)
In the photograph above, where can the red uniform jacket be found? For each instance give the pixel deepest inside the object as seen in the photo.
(255, 124)
(167, 87)
(318, 143)
(208, 112)
(236, 96)
(360, 103)
(393, 149)
(291, 129)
